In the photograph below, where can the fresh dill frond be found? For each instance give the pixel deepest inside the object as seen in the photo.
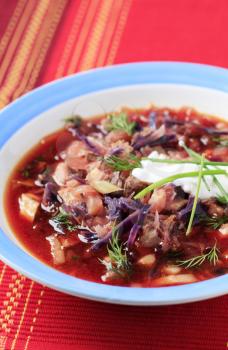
(221, 141)
(120, 122)
(118, 259)
(214, 222)
(212, 257)
(62, 221)
(123, 164)
(189, 228)
(75, 120)
(222, 199)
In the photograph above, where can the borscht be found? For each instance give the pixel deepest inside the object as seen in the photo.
(135, 198)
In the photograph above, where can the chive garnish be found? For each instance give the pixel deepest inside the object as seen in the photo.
(196, 197)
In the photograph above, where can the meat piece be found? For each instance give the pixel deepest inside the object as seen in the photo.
(117, 135)
(56, 250)
(120, 148)
(150, 232)
(28, 206)
(61, 173)
(166, 199)
(214, 209)
(76, 155)
(83, 194)
(132, 185)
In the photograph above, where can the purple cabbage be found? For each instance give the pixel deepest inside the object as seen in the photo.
(116, 151)
(50, 195)
(118, 206)
(76, 210)
(83, 138)
(208, 130)
(122, 227)
(154, 138)
(185, 213)
(152, 119)
(136, 228)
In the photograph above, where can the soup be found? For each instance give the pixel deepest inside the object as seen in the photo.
(137, 198)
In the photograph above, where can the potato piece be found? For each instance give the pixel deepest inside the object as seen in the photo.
(56, 250)
(171, 269)
(28, 206)
(147, 260)
(224, 230)
(175, 279)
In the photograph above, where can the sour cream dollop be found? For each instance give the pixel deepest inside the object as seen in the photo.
(152, 172)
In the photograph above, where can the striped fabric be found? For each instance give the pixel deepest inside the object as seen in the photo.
(42, 40)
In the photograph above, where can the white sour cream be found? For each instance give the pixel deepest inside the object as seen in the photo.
(152, 172)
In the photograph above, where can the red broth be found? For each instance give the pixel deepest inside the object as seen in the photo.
(154, 264)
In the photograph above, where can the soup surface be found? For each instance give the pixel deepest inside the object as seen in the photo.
(135, 198)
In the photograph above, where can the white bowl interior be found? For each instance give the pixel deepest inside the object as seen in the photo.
(205, 100)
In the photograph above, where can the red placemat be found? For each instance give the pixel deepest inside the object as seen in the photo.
(41, 40)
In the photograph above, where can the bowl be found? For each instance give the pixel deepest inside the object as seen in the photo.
(34, 115)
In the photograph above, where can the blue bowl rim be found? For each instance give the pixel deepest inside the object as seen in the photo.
(49, 95)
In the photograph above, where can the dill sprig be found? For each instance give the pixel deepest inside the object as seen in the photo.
(132, 161)
(119, 262)
(123, 164)
(212, 257)
(120, 122)
(75, 120)
(189, 228)
(62, 221)
(221, 141)
(214, 222)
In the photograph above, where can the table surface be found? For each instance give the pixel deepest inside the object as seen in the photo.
(42, 40)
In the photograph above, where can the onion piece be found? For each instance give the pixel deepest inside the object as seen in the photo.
(104, 187)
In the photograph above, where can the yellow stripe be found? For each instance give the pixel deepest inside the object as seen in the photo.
(39, 302)
(96, 35)
(83, 36)
(119, 31)
(22, 55)
(110, 28)
(2, 273)
(3, 340)
(10, 52)
(22, 316)
(10, 302)
(41, 47)
(71, 38)
(11, 25)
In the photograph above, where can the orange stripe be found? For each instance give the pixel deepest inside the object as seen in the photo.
(83, 36)
(96, 35)
(10, 52)
(76, 26)
(22, 316)
(112, 20)
(41, 47)
(2, 273)
(11, 25)
(23, 52)
(119, 31)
